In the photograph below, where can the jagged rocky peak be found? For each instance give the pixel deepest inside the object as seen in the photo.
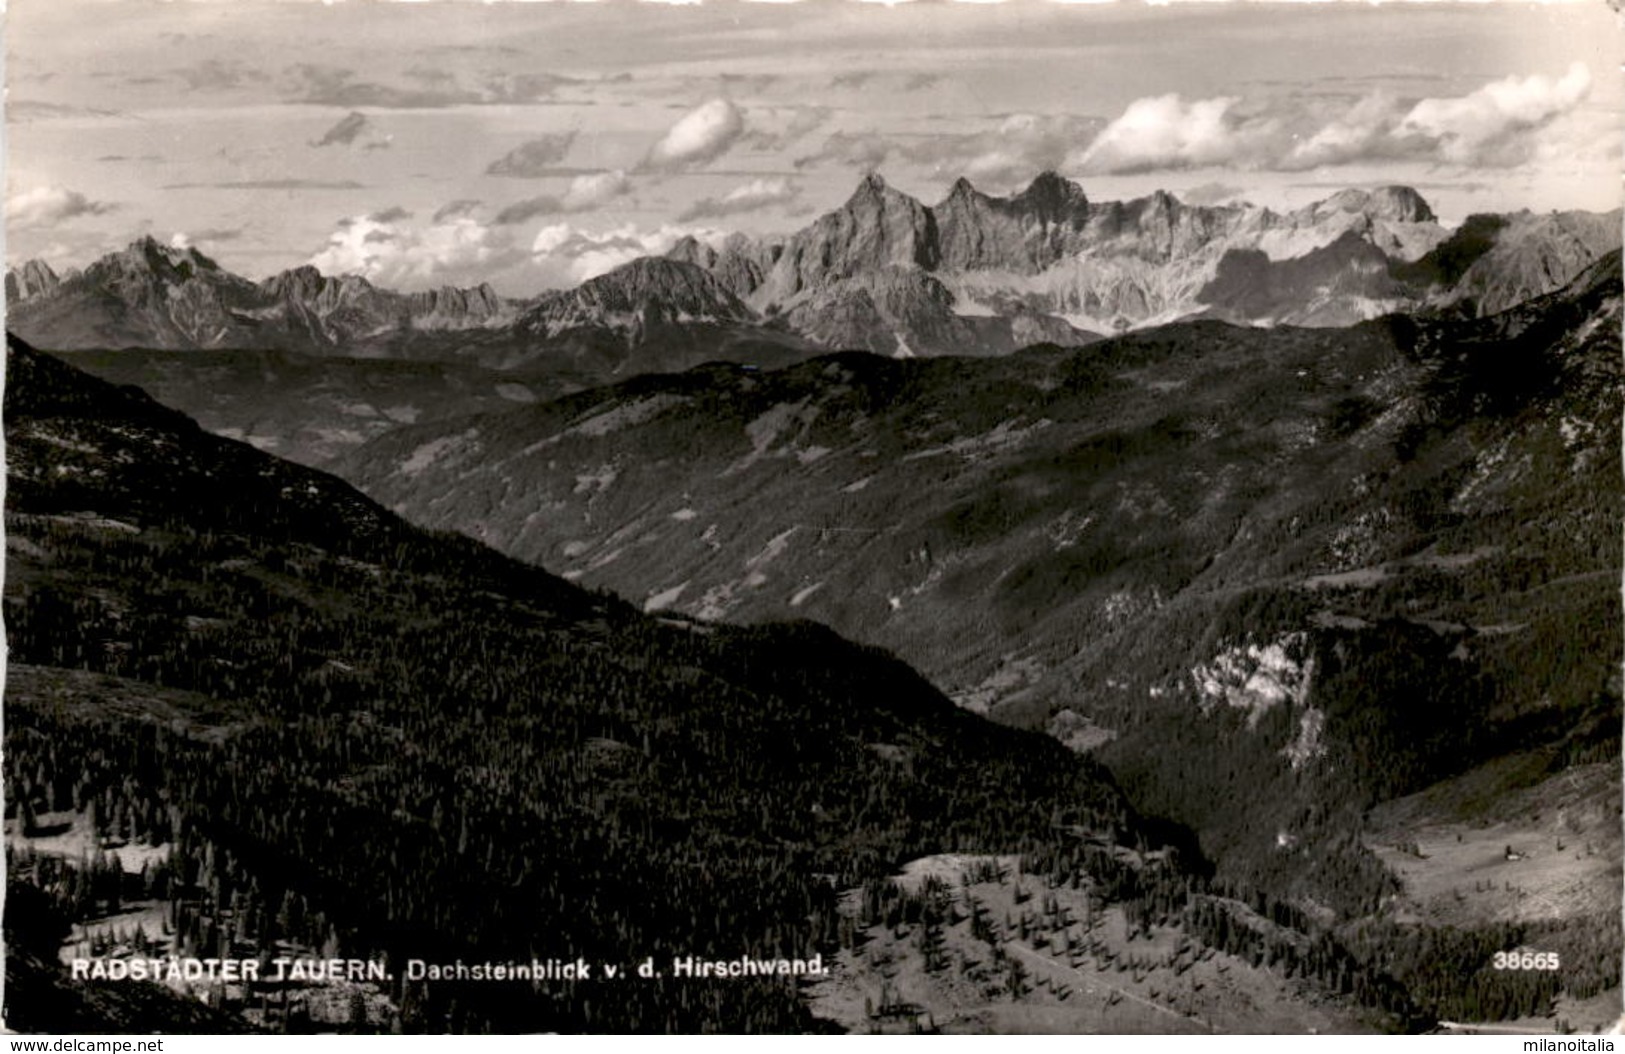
(873, 185)
(691, 250)
(166, 261)
(963, 191)
(1053, 196)
(34, 278)
(1395, 204)
(298, 283)
(651, 288)
(878, 226)
(1024, 233)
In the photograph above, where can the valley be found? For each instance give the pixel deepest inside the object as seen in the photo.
(1205, 677)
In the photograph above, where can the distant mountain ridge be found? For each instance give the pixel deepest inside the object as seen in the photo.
(160, 296)
(975, 274)
(1101, 266)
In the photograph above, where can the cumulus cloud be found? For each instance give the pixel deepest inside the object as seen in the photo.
(1365, 130)
(593, 189)
(348, 129)
(533, 159)
(460, 250)
(586, 192)
(1165, 131)
(1020, 147)
(577, 255)
(46, 205)
(1489, 126)
(703, 134)
(754, 196)
(1502, 124)
(1003, 155)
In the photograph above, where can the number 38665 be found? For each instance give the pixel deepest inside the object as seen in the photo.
(1526, 961)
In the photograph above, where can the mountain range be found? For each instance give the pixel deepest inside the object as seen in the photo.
(974, 274)
(1252, 575)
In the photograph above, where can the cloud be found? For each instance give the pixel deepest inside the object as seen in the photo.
(1022, 146)
(863, 150)
(1364, 131)
(701, 135)
(754, 196)
(518, 88)
(1165, 131)
(574, 255)
(591, 190)
(214, 75)
(536, 158)
(457, 251)
(1007, 154)
(334, 86)
(750, 83)
(42, 206)
(338, 86)
(530, 208)
(33, 109)
(271, 184)
(1490, 126)
(453, 209)
(390, 215)
(345, 132)
(1503, 124)
(182, 240)
(585, 193)
(803, 120)
(1213, 193)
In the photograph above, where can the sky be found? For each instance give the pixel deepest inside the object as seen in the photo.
(534, 144)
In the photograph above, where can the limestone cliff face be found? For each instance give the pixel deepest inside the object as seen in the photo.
(877, 227)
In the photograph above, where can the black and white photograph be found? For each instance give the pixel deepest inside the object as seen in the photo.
(813, 516)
